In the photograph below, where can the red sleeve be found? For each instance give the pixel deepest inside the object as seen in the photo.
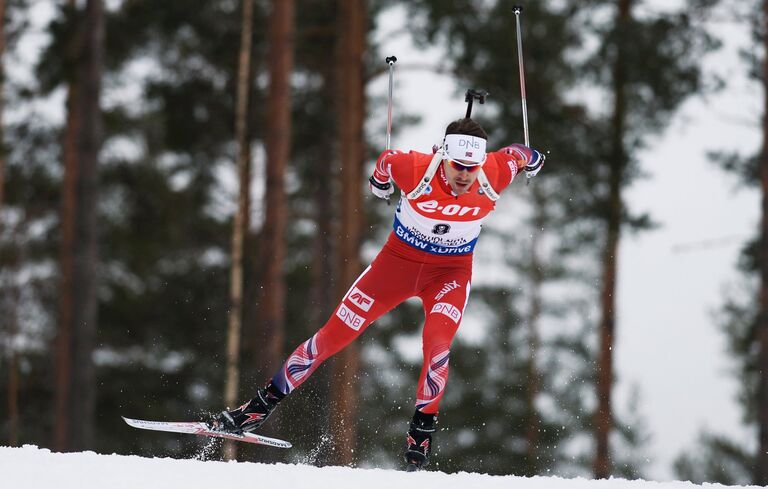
(398, 166)
(506, 168)
(382, 171)
(520, 153)
(403, 170)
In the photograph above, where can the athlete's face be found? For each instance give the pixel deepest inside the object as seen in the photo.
(460, 177)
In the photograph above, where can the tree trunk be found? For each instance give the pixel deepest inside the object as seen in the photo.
(322, 294)
(325, 190)
(350, 103)
(533, 424)
(75, 374)
(242, 219)
(2, 105)
(618, 161)
(66, 258)
(14, 297)
(11, 301)
(278, 139)
(13, 372)
(761, 463)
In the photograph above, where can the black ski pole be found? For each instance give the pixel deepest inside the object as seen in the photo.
(519, 10)
(390, 60)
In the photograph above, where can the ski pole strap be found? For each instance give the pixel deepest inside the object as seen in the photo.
(488, 190)
(428, 175)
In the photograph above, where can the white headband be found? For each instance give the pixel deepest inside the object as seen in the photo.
(465, 148)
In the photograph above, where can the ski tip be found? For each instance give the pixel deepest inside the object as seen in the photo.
(135, 423)
(129, 421)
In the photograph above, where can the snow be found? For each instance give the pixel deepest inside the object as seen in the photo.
(30, 467)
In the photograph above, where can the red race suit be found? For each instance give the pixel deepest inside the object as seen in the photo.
(427, 255)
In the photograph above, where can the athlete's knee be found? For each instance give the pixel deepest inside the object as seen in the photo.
(342, 328)
(440, 328)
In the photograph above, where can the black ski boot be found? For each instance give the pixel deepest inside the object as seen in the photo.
(250, 415)
(419, 440)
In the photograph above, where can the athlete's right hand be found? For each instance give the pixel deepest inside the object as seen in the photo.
(380, 189)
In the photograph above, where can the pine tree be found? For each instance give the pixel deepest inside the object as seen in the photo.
(718, 458)
(75, 372)
(351, 143)
(310, 265)
(167, 286)
(2, 104)
(11, 326)
(163, 234)
(242, 217)
(643, 100)
(28, 223)
(761, 328)
(277, 140)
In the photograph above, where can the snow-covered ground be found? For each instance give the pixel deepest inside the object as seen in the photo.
(31, 467)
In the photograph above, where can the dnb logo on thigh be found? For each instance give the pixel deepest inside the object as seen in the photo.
(449, 310)
(354, 321)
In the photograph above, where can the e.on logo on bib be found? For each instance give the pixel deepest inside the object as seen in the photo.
(360, 299)
(433, 206)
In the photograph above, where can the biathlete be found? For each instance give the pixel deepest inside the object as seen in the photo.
(444, 199)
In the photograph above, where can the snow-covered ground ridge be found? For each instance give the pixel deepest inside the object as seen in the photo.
(30, 467)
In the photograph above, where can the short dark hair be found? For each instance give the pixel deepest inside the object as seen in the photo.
(466, 126)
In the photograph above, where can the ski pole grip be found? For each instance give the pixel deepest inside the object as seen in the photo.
(517, 9)
(391, 59)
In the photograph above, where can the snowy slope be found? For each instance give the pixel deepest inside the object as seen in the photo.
(30, 467)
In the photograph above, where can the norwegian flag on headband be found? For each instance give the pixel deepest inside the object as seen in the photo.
(468, 154)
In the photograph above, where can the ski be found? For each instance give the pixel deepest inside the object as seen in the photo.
(201, 428)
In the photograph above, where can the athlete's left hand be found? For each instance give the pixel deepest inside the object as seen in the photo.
(527, 159)
(535, 163)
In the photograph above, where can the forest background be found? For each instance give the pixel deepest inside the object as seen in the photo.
(183, 201)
